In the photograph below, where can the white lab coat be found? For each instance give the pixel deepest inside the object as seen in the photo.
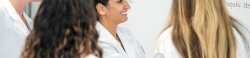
(13, 31)
(91, 56)
(166, 48)
(112, 48)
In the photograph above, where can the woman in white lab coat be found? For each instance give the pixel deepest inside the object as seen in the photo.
(115, 41)
(202, 29)
(64, 29)
(15, 25)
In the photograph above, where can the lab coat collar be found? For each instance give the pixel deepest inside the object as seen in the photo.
(128, 41)
(29, 20)
(132, 48)
(105, 36)
(14, 15)
(18, 20)
(12, 11)
(104, 32)
(124, 35)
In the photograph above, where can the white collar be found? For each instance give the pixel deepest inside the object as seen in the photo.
(103, 32)
(15, 16)
(16, 19)
(124, 34)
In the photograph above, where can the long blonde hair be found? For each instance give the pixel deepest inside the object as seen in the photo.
(202, 29)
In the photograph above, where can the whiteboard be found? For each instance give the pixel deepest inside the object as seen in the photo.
(240, 10)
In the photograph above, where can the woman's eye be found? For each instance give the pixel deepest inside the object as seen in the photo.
(120, 1)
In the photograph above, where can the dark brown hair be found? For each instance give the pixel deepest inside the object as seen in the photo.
(63, 29)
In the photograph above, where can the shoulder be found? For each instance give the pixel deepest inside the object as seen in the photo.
(2, 3)
(166, 34)
(6, 10)
(2, 9)
(165, 45)
(242, 41)
(165, 39)
(126, 35)
(124, 30)
(4, 6)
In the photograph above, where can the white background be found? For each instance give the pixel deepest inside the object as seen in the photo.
(147, 18)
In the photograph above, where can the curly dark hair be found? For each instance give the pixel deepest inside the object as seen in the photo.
(63, 29)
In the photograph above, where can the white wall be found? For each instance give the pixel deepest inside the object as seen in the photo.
(240, 9)
(146, 20)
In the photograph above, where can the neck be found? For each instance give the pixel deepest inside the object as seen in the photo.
(19, 6)
(111, 27)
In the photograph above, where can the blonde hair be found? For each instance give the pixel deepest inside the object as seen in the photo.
(202, 29)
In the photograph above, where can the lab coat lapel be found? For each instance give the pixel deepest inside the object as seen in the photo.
(22, 27)
(29, 21)
(108, 37)
(127, 42)
(18, 23)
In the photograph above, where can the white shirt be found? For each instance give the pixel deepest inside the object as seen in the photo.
(113, 49)
(167, 49)
(13, 31)
(91, 56)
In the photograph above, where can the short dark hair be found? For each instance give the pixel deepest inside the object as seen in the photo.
(104, 2)
(63, 29)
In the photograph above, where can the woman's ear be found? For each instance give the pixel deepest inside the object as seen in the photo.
(100, 9)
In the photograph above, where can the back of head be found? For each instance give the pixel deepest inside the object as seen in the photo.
(63, 29)
(202, 29)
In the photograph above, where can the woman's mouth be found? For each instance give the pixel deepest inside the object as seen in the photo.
(124, 13)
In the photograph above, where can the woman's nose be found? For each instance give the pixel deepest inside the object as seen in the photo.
(127, 6)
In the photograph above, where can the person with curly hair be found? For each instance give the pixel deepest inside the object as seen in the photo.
(64, 29)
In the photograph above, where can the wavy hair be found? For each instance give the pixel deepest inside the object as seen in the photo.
(63, 29)
(203, 29)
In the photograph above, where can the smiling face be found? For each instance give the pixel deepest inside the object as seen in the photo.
(115, 11)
